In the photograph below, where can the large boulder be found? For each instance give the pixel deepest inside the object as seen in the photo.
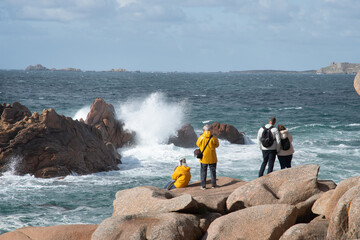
(290, 186)
(140, 200)
(214, 199)
(149, 226)
(294, 186)
(50, 145)
(227, 132)
(357, 83)
(345, 219)
(320, 204)
(340, 190)
(58, 232)
(312, 231)
(185, 137)
(259, 222)
(103, 117)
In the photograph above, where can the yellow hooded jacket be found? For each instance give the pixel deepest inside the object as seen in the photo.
(209, 155)
(182, 176)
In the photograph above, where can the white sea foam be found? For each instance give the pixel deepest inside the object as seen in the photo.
(82, 113)
(153, 119)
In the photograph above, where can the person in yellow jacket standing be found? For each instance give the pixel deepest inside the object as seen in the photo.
(209, 156)
(181, 176)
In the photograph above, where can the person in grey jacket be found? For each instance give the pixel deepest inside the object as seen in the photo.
(269, 153)
(285, 156)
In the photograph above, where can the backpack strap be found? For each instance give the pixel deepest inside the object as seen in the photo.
(206, 144)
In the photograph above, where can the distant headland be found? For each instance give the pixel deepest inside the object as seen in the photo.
(333, 68)
(39, 67)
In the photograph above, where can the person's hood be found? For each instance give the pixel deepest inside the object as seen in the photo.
(186, 168)
(268, 125)
(207, 134)
(284, 133)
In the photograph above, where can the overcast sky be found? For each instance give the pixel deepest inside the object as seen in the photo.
(181, 35)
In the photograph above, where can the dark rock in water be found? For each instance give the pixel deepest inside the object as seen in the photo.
(186, 137)
(102, 116)
(51, 145)
(227, 132)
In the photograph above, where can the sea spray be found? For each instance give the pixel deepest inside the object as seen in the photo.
(82, 113)
(154, 119)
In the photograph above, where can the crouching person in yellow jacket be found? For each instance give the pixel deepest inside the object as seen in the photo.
(181, 176)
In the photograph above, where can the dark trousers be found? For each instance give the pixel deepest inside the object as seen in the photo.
(203, 173)
(268, 156)
(285, 161)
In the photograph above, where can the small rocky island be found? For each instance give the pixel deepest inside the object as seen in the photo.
(340, 68)
(39, 67)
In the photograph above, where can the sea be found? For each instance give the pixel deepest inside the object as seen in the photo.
(322, 112)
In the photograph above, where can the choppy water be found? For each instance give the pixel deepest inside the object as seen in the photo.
(321, 111)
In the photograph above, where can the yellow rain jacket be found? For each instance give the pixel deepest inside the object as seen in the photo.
(182, 176)
(209, 155)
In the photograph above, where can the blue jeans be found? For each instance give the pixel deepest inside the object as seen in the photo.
(268, 156)
(168, 187)
(203, 173)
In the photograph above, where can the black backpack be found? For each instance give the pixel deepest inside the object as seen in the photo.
(267, 138)
(285, 144)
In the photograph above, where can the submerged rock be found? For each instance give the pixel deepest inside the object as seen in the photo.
(227, 132)
(186, 137)
(51, 145)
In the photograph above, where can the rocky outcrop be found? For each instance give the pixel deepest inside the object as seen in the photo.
(334, 68)
(320, 204)
(185, 137)
(103, 117)
(258, 222)
(151, 200)
(11, 114)
(214, 200)
(340, 190)
(51, 145)
(227, 132)
(357, 83)
(275, 188)
(150, 226)
(311, 231)
(59, 232)
(345, 217)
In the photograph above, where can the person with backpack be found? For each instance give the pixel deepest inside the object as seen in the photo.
(286, 148)
(269, 142)
(207, 144)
